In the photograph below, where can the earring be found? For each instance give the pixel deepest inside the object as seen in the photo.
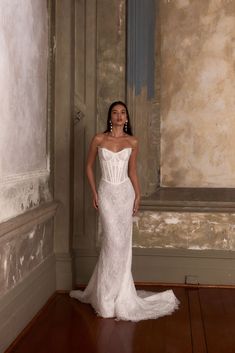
(125, 126)
(110, 126)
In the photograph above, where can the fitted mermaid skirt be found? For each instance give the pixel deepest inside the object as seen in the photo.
(111, 289)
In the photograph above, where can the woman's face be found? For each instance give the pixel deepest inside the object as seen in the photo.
(118, 115)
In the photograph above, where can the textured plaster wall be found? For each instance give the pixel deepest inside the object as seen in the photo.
(19, 255)
(198, 231)
(23, 86)
(111, 56)
(24, 159)
(141, 46)
(197, 93)
(143, 87)
(18, 197)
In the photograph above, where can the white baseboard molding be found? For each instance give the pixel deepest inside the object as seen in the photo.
(20, 304)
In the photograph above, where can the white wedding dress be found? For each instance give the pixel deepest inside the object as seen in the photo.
(111, 289)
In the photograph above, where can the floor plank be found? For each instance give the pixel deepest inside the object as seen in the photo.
(204, 323)
(167, 334)
(218, 307)
(178, 333)
(197, 328)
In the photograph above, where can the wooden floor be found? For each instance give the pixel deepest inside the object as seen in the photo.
(204, 323)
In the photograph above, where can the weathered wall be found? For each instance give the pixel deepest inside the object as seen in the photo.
(100, 74)
(143, 87)
(64, 112)
(87, 42)
(99, 80)
(19, 255)
(24, 148)
(111, 56)
(26, 215)
(24, 159)
(195, 231)
(106, 54)
(197, 93)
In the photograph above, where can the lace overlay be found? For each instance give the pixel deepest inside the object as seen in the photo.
(111, 289)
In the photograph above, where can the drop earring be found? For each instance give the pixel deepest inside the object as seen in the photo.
(125, 126)
(110, 126)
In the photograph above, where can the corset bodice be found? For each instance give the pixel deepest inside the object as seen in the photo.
(114, 165)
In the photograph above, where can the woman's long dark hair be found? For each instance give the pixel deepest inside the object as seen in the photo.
(129, 129)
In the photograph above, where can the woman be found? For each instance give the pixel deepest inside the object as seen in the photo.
(111, 289)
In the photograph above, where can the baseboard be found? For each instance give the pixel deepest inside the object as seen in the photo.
(20, 304)
(83, 266)
(210, 268)
(204, 267)
(147, 285)
(64, 276)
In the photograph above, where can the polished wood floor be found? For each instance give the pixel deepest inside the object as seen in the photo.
(205, 323)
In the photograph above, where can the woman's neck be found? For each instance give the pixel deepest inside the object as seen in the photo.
(117, 132)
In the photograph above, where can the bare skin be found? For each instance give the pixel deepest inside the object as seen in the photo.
(115, 141)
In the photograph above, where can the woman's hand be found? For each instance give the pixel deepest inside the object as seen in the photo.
(136, 205)
(95, 201)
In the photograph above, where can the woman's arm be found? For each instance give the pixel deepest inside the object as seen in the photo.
(132, 171)
(89, 168)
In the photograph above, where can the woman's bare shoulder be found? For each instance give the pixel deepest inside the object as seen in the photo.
(133, 141)
(98, 138)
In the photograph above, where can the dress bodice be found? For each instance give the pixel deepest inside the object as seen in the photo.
(114, 165)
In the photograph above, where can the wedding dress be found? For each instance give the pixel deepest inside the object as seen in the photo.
(111, 289)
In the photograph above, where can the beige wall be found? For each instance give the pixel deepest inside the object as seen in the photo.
(99, 80)
(168, 246)
(189, 230)
(111, 56)
(63, 138)
(26, 206)
(19, 256)
(197, 93)
(24, 157)
(143, 87)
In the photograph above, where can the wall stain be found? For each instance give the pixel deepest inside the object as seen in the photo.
(141, 45)
(197, 85)
(214, 231)
(19, 255)
(23, 196)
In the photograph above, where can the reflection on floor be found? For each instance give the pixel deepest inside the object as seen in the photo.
(205, 323)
